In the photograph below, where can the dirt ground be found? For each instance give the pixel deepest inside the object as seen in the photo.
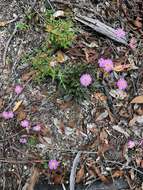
(100, 127)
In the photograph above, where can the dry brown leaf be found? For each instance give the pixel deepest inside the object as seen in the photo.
(102, 177)
(80, 175)
(57, 179)
(21, 114)
(27, 76)
(17, 105)
(103, 148)
(118, 173)
(1, 103)
(138, 161)
(99, 96)
(137, 100)
(142, 163)
(138, 22)
(60, 57)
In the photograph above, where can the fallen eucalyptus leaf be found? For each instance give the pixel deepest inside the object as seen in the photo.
(137, 100)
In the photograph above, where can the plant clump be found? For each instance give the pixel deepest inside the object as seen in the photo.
(61, 32)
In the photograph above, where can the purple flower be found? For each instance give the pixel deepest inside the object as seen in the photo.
(25, 123)
(106, 64)
(85, 80)
(23, 140)
(53, 164)
(122, 84)
(120, 33)
(133, 43)
(7, 114)
(18, 89)
(36, 128)
(11, 114)
(131, 144)
(101, 62)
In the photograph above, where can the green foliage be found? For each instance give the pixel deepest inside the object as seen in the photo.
(67, 75)
(60, 31)
(22, 26)
(71, 80)
(32, 141)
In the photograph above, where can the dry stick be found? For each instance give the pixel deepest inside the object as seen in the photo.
(102, 28)
(73, 171)
(7, 44)
(126, 167)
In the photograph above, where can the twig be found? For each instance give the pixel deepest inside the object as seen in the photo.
(7, 44)
(73, 171)
(124, 166)
(63, 186)
(102, 28)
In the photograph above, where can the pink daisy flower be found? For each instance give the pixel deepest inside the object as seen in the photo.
(120, 33)
(7, 114)
(25, 123)
(106, 64)
(36, 128)
(18, 89)
(131, 144)
(132, 43)
(23, 139)
(85, 80)
(53, 164)
(10, 114)
(101, 62)
(122, 84)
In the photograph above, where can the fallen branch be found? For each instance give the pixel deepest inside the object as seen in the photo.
(73, 171)
(102, 28)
